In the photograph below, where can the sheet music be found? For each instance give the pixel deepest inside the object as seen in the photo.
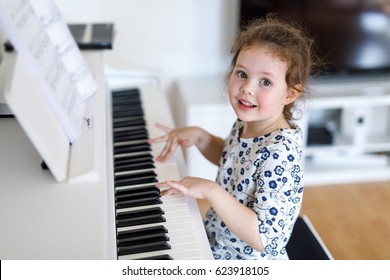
(44, 42)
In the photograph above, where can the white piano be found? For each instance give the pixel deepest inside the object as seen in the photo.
(41, 218)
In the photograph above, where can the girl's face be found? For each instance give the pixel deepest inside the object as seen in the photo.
(257, 87)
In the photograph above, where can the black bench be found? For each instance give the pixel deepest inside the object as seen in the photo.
(305, 243)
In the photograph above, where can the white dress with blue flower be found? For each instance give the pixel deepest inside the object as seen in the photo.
(264, 173)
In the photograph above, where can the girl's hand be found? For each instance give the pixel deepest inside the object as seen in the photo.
(192, 186)
(184, 137)
(240, 219)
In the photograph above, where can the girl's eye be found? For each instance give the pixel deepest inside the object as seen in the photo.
(241, 74)
(265, 82)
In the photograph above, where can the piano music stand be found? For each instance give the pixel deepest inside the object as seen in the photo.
(66, 162)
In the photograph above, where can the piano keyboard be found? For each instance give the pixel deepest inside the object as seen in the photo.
(148, 226)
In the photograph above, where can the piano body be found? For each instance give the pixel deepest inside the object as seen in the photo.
(77, 218)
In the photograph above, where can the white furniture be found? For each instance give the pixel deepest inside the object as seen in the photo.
(355, 111)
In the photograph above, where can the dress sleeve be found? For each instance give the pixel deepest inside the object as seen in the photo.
(278, 194)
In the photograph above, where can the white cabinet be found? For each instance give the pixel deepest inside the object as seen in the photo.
(357, 115)
(346, 125)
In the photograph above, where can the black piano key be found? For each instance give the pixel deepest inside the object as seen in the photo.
(130, 123)
(139, 189)
(142, 201)
(134, 166)
(127, 128)
(129, 164)
(135, 181)
(139, 246)
(125, 105)
(140, 217)
(129, 194)
(158, 257)
(127, 113)
(129, 118)
(134, 92)
(133, 134)
(118, 101)
(133, 192)
(122, 182)
(123, 110)
(141, 234)
(128, 97)
(128, 136)
(134, 160)
(138, 199)
(143, 248)
(126, 100)
(161, 237)
(132, 148)
(132, 108)
(130, 142)
(145, 239)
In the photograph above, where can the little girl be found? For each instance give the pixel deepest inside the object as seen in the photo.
(257, 195)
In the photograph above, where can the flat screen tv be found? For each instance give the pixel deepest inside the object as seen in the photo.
(352, 36)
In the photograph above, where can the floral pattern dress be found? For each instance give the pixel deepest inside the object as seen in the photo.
(265, 174)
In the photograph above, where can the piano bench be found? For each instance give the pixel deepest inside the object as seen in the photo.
(305, 243)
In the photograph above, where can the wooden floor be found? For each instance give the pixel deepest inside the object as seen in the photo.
(352, 220)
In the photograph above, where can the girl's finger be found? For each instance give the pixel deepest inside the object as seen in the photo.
(163, 127)
(177, 186)
(160, 139)
(162, 154)
(166, 188)
(168, 150)
(170, 191)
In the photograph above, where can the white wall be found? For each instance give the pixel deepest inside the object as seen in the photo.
(177, 37)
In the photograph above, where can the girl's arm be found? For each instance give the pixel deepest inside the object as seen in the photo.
(241, 220)
(209, 145)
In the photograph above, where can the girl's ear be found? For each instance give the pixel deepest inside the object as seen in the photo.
(293, 94)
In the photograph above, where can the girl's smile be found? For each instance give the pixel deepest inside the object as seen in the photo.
(246, 105)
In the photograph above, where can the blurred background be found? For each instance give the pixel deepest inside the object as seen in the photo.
(178, 38)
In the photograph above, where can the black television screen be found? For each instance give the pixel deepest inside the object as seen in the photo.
(352, 36)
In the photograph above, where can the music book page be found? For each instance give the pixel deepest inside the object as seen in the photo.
(43, 41)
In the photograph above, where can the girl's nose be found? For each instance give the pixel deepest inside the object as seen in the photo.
(247, 89)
